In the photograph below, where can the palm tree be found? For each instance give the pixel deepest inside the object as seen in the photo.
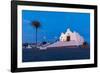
(36, 24)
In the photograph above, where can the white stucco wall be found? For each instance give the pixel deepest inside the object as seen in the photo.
(74, 36)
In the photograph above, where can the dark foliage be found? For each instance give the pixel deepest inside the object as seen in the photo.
(36, 24)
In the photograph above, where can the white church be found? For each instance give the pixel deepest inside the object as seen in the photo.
(71, 36)
(68, 38)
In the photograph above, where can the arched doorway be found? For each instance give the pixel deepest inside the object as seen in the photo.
(68, 38)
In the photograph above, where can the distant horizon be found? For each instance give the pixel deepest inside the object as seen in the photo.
(53, 24)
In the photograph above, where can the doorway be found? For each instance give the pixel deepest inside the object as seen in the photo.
(68, 38)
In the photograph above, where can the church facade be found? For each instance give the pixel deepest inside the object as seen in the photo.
(71, 36)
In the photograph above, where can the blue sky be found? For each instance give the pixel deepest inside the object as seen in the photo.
(53, 23)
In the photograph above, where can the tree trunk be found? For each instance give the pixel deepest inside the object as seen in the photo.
(36, 37)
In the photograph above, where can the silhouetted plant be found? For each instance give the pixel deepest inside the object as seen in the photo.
(36, 24)
(25, 45)
(44, 42)
(85, 43)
